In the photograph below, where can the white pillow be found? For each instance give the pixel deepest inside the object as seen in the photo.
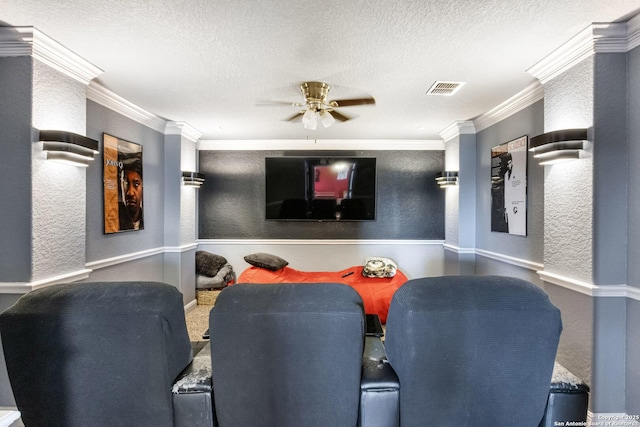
(379, 267)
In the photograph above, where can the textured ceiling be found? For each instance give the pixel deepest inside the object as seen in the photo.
(211, 62)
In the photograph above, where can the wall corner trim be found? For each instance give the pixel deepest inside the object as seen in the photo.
(190, 306)
(590, 289)
(596, 38)
(182, 248)
(458, 128)
(183, 129)
(458, 250)
(29, 41)
(633, 33)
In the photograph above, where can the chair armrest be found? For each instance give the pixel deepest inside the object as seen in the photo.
(379, 388)
(568, 399)
(193, 393)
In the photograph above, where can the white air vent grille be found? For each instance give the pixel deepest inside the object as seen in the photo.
(444, 88)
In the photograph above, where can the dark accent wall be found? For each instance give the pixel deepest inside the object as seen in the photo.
(410, 205)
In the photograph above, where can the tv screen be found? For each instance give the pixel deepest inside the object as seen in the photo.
(320, 188)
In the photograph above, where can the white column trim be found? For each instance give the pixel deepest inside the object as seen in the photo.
(183, 129)
(590, 289)
(633, 33)
(458, 250)
(458, 128)
(598, 37)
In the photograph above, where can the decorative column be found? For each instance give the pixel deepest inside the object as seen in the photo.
(460, 203)
(47, 229)
(585, 258)
(181, 208)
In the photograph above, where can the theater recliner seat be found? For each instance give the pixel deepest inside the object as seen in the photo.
(472, 350)
(96, 354)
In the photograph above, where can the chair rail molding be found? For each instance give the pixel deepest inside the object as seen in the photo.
(317, 242)
(20, 288)
(590, 289)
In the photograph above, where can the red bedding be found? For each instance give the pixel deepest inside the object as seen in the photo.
(376, 293)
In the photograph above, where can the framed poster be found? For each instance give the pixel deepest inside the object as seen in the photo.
(509, 187)
(123, 185)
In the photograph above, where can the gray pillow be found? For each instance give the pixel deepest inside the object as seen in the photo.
(265, 260)
(209, 264)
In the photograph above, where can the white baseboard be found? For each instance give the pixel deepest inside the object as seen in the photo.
(190, 306)
(8, 416)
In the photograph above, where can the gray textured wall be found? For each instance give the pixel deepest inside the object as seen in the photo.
(15, 170)
(99, 245)
(529, 121)
(633, 279)
(409, 203)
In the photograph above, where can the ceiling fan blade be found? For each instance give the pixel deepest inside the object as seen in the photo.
(339, 116)
(294, 117)
(287, 103)
(336, 103)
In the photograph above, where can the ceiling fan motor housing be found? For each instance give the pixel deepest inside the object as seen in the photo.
(315, 94)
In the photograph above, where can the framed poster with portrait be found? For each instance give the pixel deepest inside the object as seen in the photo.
(123, 185)
(509, 187)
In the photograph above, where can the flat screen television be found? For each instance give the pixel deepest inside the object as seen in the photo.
(320, 188)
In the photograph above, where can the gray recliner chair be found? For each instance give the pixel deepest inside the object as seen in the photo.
(472, 351)
(96, 354)
(290, 355)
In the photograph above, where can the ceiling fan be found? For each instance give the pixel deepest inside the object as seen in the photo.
(316, 106)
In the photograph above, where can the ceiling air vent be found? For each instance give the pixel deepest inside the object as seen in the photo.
(444, 88)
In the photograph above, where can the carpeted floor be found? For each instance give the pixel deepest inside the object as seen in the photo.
(198, 320)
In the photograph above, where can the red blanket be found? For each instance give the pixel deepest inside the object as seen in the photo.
(376, 293)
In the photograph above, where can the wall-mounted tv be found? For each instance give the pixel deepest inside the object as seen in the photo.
(320, 188)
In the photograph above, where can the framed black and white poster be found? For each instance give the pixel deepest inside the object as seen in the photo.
(123, 185)
(509, 187)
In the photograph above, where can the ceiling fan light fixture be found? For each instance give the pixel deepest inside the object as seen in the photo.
(310, 120)
(326, 118)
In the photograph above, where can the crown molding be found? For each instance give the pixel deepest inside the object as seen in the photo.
(633, 33)
(596, 38)
(29, 41)
(525, 98)
(106, 98)
(457, 128)
(326, 144)
(183, 129)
